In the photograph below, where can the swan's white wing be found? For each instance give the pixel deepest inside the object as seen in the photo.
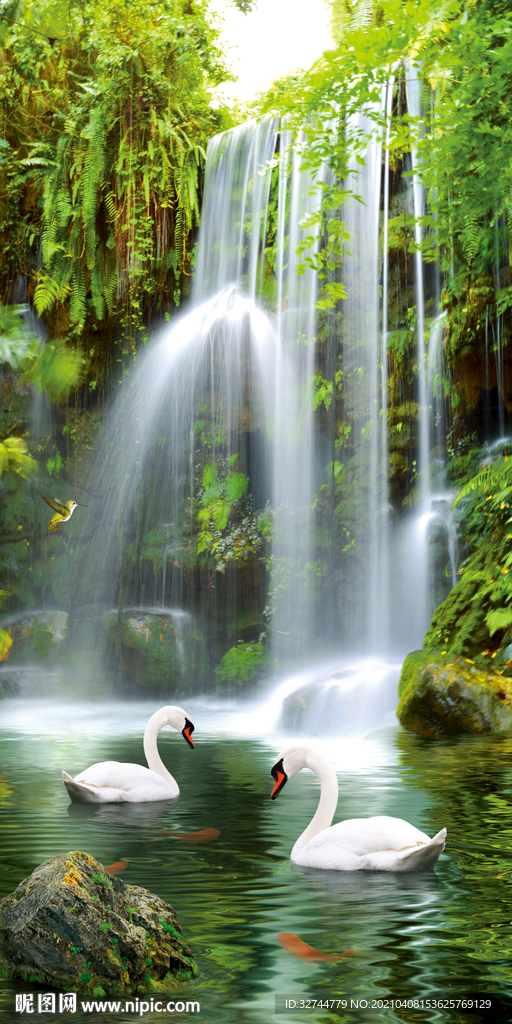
(80, 794)
(370, 835)
(115, 782)
(420, 858)
(379, 843)
(114, 775)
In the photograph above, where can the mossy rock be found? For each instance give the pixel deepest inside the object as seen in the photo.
(73, 926)
(36, 636)
(441, 695)
(162, 651)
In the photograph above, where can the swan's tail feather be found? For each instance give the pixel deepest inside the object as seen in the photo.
(424, 857)
(78, 793)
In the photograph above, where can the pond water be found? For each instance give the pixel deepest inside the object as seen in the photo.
(445, 935)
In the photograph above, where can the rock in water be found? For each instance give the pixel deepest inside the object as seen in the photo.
(444, 695)
(72, 926)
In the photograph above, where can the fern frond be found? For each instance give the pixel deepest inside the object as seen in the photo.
(77, 309)
(110, 280)
(178, 239)
(470, 238)
(48, 292)
(476, 483)
(109, 200)
(499, 618)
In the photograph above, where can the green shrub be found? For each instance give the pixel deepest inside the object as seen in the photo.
(241, 665)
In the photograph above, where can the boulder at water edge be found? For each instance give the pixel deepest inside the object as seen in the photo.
(441, 695)
(72, 926)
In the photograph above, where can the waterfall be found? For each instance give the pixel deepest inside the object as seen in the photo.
(225, 394)
(222, 394)
(365, 469)
(436, 398)
(421, 597)
(498, 353)
(414, 107)
(234, 210)
(234, 233)
(292, 570)
(384, 566)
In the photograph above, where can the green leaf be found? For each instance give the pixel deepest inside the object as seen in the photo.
(236, 486)
(497, 619)
(221, 510)
(210, 474)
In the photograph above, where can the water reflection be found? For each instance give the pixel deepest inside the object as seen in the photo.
(138, 815)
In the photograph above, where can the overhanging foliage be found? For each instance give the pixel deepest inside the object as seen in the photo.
(105, 117)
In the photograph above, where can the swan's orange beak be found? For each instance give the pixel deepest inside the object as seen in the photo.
(187, 732)
(278, 773)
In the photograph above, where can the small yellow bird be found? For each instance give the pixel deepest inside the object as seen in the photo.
(62, 512)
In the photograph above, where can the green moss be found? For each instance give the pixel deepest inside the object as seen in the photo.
(167, 927)
(241, 665)
(471, 305)
(101, 880)
(183, 973)
(401, 232)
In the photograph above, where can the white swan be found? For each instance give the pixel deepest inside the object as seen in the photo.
(358, 844)
(113, 782)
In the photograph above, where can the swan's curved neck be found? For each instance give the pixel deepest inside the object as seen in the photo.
(326, 805)
(155, 724)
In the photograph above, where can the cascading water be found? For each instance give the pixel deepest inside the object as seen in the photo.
(498, 351)
(225, 395)
(435, 391)
(414, 106)
(419, 590)
(220, 398)
(415, 553)
(181, 412)
(384, 566)
(361, 392)
(292, 570)
(234, 211)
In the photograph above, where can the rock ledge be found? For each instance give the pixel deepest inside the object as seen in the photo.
(443, 695)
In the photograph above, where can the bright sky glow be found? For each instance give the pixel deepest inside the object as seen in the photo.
(278, 37)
